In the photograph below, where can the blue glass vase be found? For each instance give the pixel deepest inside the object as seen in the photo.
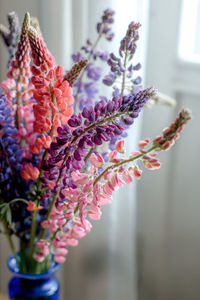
(44, 286)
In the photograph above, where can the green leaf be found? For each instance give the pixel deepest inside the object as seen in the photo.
(8, 216)
(44, 191)
(4, 209)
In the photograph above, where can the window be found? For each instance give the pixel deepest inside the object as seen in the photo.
(189, 42)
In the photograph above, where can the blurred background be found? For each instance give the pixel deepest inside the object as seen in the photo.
(147, 244)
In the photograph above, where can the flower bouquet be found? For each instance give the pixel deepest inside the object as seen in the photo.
(55, 174)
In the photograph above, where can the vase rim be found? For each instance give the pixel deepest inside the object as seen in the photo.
(13, 267)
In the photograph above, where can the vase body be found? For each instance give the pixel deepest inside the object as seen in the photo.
(44, 286)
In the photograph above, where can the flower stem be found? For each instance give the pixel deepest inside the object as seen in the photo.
(33, 231)
(18, 200)
(11, 244)
(124, 74)
(122, 162)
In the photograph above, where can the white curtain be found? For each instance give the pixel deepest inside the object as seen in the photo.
(103, 266)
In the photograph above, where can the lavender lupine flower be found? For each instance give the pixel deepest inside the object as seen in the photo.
(11, 36)
(103, 27)
(118, 67)
(85, 91)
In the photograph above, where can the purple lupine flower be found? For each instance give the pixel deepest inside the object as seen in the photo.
(103, 55)
(11, 160)
(77, 57)
(93, 72)
(85, 91)
(109, 79)
(103, 27)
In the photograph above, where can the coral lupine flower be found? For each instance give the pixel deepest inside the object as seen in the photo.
(32, 206)
(29, 172)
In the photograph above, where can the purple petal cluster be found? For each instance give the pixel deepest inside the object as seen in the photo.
(128, 43)
(103, 27)
(118, 65)
(11, 153)
(86, 90)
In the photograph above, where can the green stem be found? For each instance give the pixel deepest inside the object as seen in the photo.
(33, 231)
(124, 161)
(18, 200)
(11, 244)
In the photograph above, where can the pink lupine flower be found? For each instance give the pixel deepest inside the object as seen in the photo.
(80, 178)
(96, 160)
(59, 259)
(72, 242)
(116, 181)
(107, 175)
(42, 250)
(94, 212)
(136, 153)
(8, 86)
(108, 188)
(136, 171)
(120, 147)
(29, 172)
(153, 165)
(144, 143)
(61, 252)
(127, 176)
(39, 258)
(51, 225)
(112, 156)
(72, 194)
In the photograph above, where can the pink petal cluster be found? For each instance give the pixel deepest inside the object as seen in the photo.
(119, 145)
(42, 250)
(97, 160)
(171, 133)
(151, 162)
(144, 143)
